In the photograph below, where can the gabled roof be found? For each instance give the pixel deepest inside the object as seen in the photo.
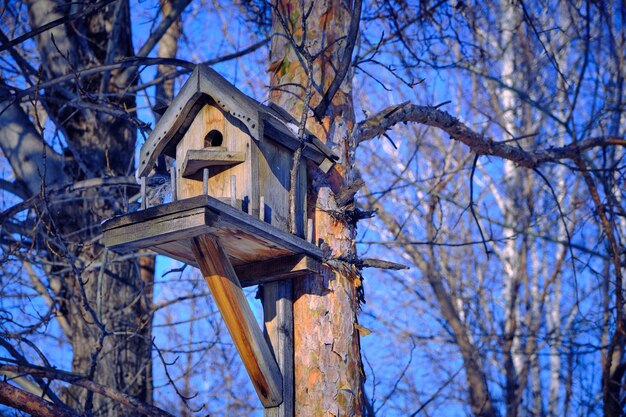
(261, 121)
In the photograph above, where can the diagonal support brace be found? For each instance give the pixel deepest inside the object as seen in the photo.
(255, 353)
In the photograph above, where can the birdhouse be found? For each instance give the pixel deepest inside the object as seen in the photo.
(233, 156)
(229, 213)
(233, 148)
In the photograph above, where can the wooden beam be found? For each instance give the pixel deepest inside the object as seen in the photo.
(282, 268)
(255, 353)
(278, 318)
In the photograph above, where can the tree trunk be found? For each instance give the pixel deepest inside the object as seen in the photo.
(107, 307)
(328, 369)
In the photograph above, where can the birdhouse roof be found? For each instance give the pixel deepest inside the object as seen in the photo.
(262, 121)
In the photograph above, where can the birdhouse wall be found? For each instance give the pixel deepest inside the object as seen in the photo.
(235, 138)
(275, 162)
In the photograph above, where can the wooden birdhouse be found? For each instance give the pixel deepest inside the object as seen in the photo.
(229, 213)
(246, 147)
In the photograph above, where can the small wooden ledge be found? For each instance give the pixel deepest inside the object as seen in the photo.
(198, 159)
(168, 229)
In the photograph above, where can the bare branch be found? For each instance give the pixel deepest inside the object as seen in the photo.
(81, 381)
(173, 14)
(31, 403)
(54, 23)
(344, 64)
(482, 145)
(13, 187)
(380, 264)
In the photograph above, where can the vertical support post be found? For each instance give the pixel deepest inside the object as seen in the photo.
(144, 202)
(233, 190)
(278, 318)
(205, 181)
(173, 183)
(262, 208)
(309, 230)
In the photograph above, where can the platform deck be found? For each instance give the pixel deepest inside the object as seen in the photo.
(168, 229)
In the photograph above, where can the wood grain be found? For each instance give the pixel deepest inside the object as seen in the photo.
(162, 229)
(197, 159)
(208, 118)
(204, 85)
(245, 237)
(286, 267)
(278, 317)
(255, 353)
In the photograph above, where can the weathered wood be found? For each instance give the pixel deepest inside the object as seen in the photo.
(144, 200)
(309, 230)
(278, 317)
(233, 190)
(246, 238)
(274, 183)
(173, 183)
(197, 159)
(208, 118)
(286, 267)
(204, 85)
(205, 181)
(255, 353)
(153, 212)
(193, 154)
(166, 228)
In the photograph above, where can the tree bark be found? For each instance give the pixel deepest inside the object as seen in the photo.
(328, 369)
(108, 308)
(31, 403)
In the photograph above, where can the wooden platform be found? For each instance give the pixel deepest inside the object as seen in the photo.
(258, 251)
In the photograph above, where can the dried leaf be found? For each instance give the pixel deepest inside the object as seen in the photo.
(276, 65)
(363, 331)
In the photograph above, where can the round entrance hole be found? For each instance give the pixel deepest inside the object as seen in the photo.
(213, 138)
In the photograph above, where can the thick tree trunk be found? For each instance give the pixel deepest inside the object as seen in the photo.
(328, 370)
(107, 307)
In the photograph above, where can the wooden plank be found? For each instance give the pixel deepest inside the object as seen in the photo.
(285, 117)
(249, 273)
(274, 168)
(255, 353)
(254, 226)
(208, 118)
(197, 159)
(252, 177)
(173, 182)
(175, 226)
(144, 201)
(248, 247)
(180, 113)
(204, 215)
(283, 136)
(177, 249)
(286, 267)
(278, 318)
(153, 212)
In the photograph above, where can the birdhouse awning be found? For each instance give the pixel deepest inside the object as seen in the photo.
(261, 121)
